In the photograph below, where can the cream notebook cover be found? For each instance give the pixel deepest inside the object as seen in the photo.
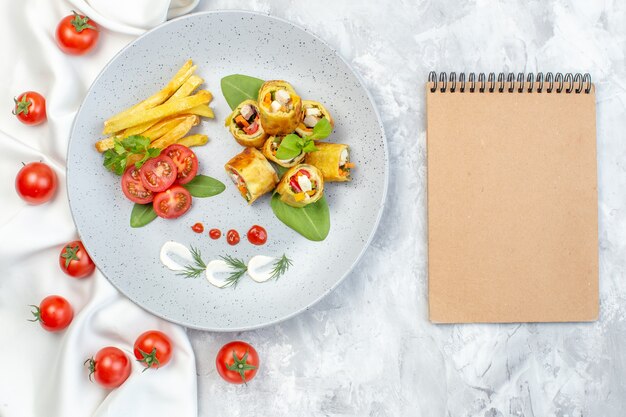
(512, 198)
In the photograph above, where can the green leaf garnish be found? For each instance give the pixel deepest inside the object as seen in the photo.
(311, 221)
(290, 147)
(237, 88)
(142, 214)
(321, 130)
(115, 159)
(293, 145)
(204, 186)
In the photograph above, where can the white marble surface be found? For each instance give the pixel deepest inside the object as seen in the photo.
(368, 348)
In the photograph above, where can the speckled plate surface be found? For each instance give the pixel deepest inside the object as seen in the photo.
(223, 43)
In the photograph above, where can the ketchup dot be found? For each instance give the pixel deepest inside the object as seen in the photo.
(198, 228)
(232, 237)
(257, 235)
(215, 234)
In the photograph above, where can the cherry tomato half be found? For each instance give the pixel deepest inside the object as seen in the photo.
(232, 237)
(134, 189)
(75, 261)
(237, 362)
(109, 368)
(257, 235)
(172, 203)
(30, 108)
(158, 174)
(76, 34)
(54, 313)
(36, 183)
(185, 160)
(153, 348)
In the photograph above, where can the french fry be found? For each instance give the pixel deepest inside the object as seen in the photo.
(179, 105)
(156, 99)
(104, 144)
(202, 110)
(164, 126)
(178, 132)
(188, 87)
(193, 140)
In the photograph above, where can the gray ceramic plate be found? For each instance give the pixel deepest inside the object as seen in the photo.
(270, 49)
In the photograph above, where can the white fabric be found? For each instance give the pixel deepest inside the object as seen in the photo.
(42, 373)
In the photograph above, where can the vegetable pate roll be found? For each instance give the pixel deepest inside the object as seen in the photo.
(271, 147)
(245, 126)
(252, 174)
(301, 185)
(312, 112)
(332, 159)
(280, 107)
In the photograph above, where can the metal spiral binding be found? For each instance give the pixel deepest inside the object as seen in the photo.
(534, 83)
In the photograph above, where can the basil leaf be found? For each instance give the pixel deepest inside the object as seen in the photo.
(289, 148)
(204, 186)
(141, 215)
(237, 88)
(280, 170)
(311, 221)
(321, 130)
(309, 147)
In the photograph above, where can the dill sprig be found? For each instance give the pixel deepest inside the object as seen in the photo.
(239, 268)
(197, 268)
(280, 267)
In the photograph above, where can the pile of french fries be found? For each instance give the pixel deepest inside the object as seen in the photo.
(165, 117)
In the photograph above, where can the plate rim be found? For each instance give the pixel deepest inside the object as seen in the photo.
(382, 203)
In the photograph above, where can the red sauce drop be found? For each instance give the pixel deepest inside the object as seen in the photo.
(257, 235)
(215, 234)
(198, 228)
(232, 237)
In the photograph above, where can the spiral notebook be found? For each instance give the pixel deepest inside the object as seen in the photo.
(512, 198)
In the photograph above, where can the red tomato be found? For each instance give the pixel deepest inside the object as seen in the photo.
(158, 174)
(198, 228)
(257, 235)
(77, 34)
(75, 261)
(251, 129)
(110, 367)
(133, 187)
(232, 237)
(237, 362)
(185, 160)
(215, 234)
(30, 108)
(172, 203)
(153, 348)
(54, 313)
(36, 183)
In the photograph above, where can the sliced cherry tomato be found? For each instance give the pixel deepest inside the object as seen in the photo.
(36, 183)
(215, 234)
(294, 184)
(158, 174)
(252, 129)
(134, 189)
(153, 348)
(54, 313)
(237, 362)
(75, 261)
(198, 228)
(257, 235)
(185, 160)
(305, 173)
(77, 34)
(172, 203)
(232, 237)
(30, 108)
(109, 368)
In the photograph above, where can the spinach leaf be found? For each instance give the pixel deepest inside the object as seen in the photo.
(141, 215)
(237, 88)
(204, 186)
(311, 221)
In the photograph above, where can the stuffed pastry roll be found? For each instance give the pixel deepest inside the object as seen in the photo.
(271, 147)
(301, 185)
(252, 174)
(280, 107)
(312, 112)
(245, 126)
(332, 159)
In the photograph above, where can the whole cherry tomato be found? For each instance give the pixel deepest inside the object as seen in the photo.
(237, 362)
(153, 348)
(54, 313)
(110, 367)
(30, 108)
(257, 235)
(77, 34)
(75, 261)
(36, 183)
